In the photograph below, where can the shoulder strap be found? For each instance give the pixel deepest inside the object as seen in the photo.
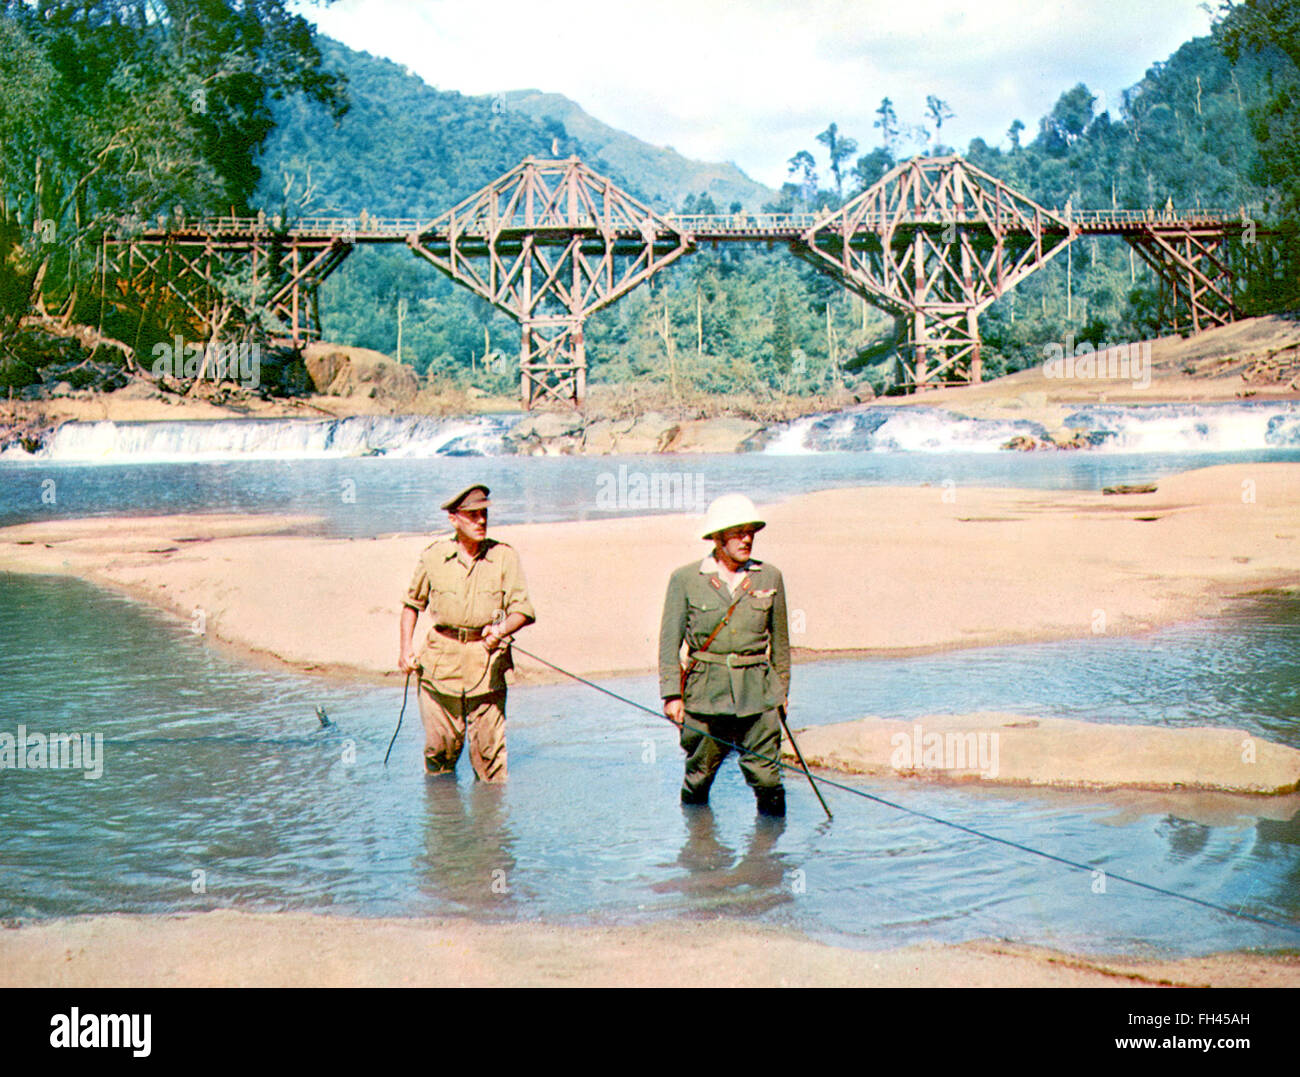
(686, 669)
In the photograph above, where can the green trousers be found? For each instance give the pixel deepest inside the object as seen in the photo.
(755, 733)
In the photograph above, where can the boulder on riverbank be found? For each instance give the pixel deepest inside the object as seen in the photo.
(724, 434)
(337, 370)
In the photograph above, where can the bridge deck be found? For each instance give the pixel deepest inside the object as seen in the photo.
(710, 228)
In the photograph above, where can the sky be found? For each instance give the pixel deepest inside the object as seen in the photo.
(754, 82)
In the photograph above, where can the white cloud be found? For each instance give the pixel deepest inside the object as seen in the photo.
(754, 82)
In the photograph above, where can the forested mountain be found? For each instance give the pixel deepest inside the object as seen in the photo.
(663, 173)
(109, 113)
(1185, 134)
(403, 149)
(407, 149)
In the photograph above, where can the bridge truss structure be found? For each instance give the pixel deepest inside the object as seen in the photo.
(934, 242)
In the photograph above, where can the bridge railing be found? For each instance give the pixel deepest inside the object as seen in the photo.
(737, 224)
(741, 222)
(1160, 216)
(271, 226)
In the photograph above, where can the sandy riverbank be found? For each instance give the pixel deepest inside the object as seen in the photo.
(1057, 753)
(868, 571)
(1252, 359)
(230, 949)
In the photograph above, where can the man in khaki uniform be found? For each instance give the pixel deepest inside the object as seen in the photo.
(473, 588)
(730, 612)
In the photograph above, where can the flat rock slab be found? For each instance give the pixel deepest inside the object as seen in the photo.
(1013, 749)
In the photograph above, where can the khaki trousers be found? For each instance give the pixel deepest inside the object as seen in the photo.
(447, 720)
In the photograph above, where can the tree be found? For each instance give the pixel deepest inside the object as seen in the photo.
(782, 336)
(237, 56)
(871, 167)
(803, 163)
(938, 111)
(114, 111)
(702, 203)
(887, 123)
(1270, 30)
(223, 61)
(1013, 133)
(1067, 121)
(838, 149)
(90, 134)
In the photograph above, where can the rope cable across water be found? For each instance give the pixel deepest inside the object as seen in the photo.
(1151, 887)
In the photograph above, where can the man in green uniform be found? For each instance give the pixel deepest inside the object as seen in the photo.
(729, 610)
(473, 588)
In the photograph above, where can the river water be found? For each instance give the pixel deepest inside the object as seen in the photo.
(209, 767)
(219, 787)
(379, 495)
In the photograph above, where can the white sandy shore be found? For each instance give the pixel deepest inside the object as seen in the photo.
(1017, 749)
(879, 570)
(230, 949)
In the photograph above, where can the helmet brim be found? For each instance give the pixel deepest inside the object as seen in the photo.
(757, 525)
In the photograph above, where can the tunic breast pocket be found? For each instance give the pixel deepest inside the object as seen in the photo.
(757, 608)
(438, 603)
(490, 607)
(703, 614)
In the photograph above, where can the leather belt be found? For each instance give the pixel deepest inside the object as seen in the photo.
(733, 660)
(461, 635)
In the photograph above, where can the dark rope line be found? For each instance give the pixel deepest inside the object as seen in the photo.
(934, 818)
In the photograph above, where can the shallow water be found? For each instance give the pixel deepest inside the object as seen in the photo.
(216, 768)
(372, 496)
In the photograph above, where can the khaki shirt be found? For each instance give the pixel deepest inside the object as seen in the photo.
(696, 602)
(459, 593)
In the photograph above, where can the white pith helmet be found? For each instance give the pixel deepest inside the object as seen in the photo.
(728, 511)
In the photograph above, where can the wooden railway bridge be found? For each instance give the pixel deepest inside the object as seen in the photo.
(933, 242)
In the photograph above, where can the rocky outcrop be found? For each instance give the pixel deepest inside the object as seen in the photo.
(25, 434)
(726, 434)
(566, 433)
(1058, 439)
(1027, 443)
(648, 433)
(546, 433)
(336, 370)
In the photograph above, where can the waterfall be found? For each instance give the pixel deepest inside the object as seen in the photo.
(1151, 428)
(271, 439)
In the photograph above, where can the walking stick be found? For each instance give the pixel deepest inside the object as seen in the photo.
(780, 711)
(656, 714)
(400, 715)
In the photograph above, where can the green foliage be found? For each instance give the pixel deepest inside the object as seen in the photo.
(1184, 137)
(742, 316)
(111, 111)
(1269, 31)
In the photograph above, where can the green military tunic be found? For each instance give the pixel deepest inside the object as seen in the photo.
(463, 594)
(747, 669)
(733, 689)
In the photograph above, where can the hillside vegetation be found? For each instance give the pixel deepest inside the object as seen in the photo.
(110, 116)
